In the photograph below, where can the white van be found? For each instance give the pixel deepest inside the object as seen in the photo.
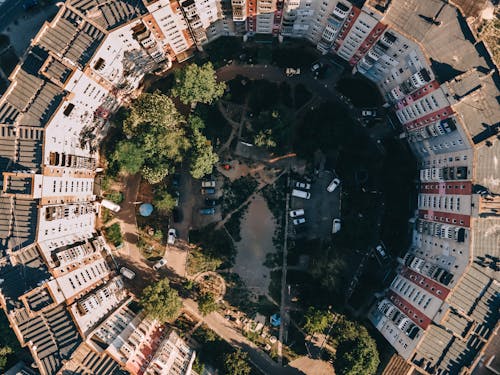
(129, 274)
(301, 194)
(110, 205)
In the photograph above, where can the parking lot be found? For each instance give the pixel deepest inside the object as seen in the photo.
(320, 209)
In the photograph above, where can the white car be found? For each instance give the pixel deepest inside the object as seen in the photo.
(336, 226)
(206, 184)
(295, 213)
(300, 220)
(172, 235)
(302, 185)
(381, 251)
(160, 264)
(333, 185)
(368, 113)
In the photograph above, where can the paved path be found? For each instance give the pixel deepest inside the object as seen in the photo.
(226, 330)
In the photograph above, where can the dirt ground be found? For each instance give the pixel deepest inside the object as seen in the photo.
(257, 230)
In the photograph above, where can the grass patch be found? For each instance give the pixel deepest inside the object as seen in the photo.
(275, 195)
(352, 87)
(113, 233)
(114, 196)
(301, 95)
(233, 225)
(237, 192)
(216, 244)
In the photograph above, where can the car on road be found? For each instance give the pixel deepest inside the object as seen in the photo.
(333, 185)
(129, 274)
(211, 202)
(296, 213)
(302, 185)
(172, 235)
(208, 184)
(159, 264)
(177, 198)
(208, 191)
(301, 194)
(207, 211)
(300, 220)
(336, 226)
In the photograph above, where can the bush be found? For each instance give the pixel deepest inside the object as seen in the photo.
(115, 197)
(207, 304)
(113, 233)
(160, 301)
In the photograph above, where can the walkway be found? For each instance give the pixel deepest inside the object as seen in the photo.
(225, 329)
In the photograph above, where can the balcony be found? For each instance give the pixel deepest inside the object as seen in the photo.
(341, 10)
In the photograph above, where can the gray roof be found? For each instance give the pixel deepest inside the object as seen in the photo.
(450, 44)
(486, 242)
(28, 272)
(109, 14)
(85, 361)
(18, 220)
(52, 332)
(71, 37)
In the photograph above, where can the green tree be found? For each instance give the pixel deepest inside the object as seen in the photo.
(236, 363)
(154, 109)
(155, 173)
(207, 303)
(4, 352)
(160, 301)
(203, 157)
(316, 321)
(129, 157)
(357, 357)
(264, 138)
(198, 84)
(164, 201)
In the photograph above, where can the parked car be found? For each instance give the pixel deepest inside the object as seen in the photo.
(292, 72)
(172, 235)
(177, 197)
(207, 211)
(177, 214)
(159, 264)
(176, 179)
(381, 251)
(316, 67)
(207, 184)
(110, 205)
(211, 202)
(296, 213)
(208, 191)
(302, 185)
(301, 194)
(336, 226)
(129, 274)
(300, 220)
(368, 113)
(333, 185)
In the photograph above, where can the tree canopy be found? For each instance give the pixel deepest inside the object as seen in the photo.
(207, 303)
(160, 301)
(236, 363)
(198, 84)
(203, 157)
(156, 138)
(357, 352)
(316, 321)
(164, 201)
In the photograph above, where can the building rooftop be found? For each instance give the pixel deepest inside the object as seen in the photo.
(109, 14)
(18, 218)
(52, 333)
(442, 32)
(85, 361)
(71, 37)
(25, 265)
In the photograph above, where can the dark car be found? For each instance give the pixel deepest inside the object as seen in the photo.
(177, 214)
(176, 179)
(207, 211)
(208, 191)
(211, 202)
